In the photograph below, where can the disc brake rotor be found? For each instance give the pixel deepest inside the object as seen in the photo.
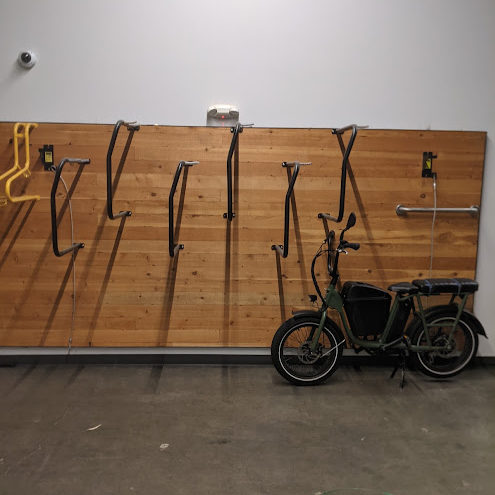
(306, 356)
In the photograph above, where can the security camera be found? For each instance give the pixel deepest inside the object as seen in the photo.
(27, 59)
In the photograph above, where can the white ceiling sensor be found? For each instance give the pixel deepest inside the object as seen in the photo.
(222, 115)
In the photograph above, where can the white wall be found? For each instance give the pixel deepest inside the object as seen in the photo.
(289, 63)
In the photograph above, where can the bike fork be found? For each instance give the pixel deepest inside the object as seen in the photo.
(314, 336)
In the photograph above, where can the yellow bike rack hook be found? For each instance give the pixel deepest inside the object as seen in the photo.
(27, 127)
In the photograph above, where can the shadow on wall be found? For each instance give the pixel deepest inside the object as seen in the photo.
(17, 232)
(168, 300)
(106, 279)
(92, 252)
(30, 285)
(300, 257)
(231, 273)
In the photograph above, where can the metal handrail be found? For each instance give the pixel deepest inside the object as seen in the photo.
(131, 127)
(172, 247)
(404, 210)
(233, 144)
(20, 171)
(283, 250)
(345, 161)
(53, 205)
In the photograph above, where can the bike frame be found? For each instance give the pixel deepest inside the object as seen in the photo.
(333, 300)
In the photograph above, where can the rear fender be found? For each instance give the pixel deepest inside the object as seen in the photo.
(417, 322)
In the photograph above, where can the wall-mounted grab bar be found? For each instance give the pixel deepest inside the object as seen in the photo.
(53, 204)
(346, 151)
(404, 210)
(131, 127)
(172, 247)
(284, 250)
(27, 127)
(233, 146)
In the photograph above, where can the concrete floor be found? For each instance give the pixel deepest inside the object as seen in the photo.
(242, 430)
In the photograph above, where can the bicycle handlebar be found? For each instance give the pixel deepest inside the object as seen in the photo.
(350, 245)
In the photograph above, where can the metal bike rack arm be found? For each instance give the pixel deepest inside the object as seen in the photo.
(172, 247)
(53, 204)
(343, 175)
(283, 250)
(16, 166)
(24, 170)
(131, 126)
(404, 210)
(233, 144)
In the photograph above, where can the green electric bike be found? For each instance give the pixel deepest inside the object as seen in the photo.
(440, 340)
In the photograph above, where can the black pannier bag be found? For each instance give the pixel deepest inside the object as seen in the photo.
(366, 307)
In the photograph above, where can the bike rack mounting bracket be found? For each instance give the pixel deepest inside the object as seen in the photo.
(346, 151)
(283, 250)
(53, 205)
(16, 171)
(172, 247)
(131, 127)
(229, 215)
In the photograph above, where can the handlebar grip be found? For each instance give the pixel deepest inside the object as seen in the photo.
(349, 245)
(353, 245)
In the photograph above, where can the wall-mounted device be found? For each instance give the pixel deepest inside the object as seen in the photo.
(46, 155)
(222, 115)
(27, 59)
(427, 170)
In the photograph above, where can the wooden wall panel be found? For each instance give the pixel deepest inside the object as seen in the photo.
(226, 288)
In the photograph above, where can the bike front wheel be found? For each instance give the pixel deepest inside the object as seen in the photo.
(292, 355)
(459, 344)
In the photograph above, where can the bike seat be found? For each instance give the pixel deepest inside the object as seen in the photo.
(404, 288)
(432, 286)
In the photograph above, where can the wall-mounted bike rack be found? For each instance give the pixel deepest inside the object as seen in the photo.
(172, 247)
(131, 127)
(283, 250)
(19, 134)
(53, 204)
(404, 210)
(233, 146)
(346, 151)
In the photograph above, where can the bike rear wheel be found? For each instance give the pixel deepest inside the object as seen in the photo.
(460, 345)
(293, 358)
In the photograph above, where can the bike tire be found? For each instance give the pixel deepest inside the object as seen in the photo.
(452, 361)
(291, 357)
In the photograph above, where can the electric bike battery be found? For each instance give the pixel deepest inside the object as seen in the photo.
(367, 307)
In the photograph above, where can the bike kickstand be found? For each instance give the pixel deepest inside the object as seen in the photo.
(402, 366)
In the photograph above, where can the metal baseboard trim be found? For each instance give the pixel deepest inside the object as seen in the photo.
(11, 356)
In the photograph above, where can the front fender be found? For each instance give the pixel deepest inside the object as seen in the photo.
(306, 313)
(329, 323)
